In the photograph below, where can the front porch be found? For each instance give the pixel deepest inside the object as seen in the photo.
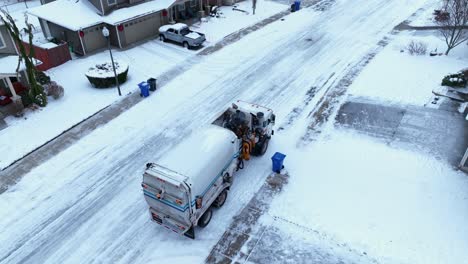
(12, 86)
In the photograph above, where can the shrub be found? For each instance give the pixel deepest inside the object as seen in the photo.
(42, 78)
(102, 75)
(25, 98)
(416, 48)
(442, 16)
(54, 90)
(454, 80)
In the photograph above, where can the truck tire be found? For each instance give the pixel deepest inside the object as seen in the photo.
(260, 149)
(186, 45)
(221, 199)
(162, 38)
(206, 218)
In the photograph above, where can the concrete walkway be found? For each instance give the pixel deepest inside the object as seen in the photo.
(443, 133)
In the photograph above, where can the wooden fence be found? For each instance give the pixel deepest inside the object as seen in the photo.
(51, 57)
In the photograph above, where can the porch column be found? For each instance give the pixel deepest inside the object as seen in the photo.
(10, 85)
(171, 14)
(201, 12)
(15, 98)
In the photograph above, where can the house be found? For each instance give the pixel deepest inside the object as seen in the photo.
(80, 22)
(12, 85)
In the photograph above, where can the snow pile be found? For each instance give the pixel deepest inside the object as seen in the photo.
(105, 70)
(396, 205)
(394, 75)
(193, 35)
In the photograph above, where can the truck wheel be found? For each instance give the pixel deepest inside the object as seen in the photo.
(260, 149)
(221, 199)
(162, 38)
(186, 45)
(206, 218)
(264, 147)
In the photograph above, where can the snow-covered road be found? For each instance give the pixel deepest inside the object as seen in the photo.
(86, 205)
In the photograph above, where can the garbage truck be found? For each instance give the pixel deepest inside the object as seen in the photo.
(183, 186)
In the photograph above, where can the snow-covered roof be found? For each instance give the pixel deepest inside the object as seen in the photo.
(70, 14)
(79, 14)
(9, 63)
(124, 14)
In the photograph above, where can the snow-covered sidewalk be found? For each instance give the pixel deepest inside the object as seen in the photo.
(81, 100)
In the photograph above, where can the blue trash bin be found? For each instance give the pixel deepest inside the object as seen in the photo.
(297, 5)
(277, 160)
(144, 89)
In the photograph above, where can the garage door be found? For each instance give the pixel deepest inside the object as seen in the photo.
(142, 28)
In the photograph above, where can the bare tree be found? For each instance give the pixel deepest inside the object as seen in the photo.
(453, 26)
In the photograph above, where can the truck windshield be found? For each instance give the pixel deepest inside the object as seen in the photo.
(185, 31)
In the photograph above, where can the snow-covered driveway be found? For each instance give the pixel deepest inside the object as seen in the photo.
(86, 205)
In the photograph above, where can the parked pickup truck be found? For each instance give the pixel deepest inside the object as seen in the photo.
(183, 186)
(181, 33)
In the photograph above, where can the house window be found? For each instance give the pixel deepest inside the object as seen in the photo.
(193, 3)
(111, 2)
(2, 41)
(181, 7)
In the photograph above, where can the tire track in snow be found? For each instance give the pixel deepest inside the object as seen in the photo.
(335, 95)
(108, 197)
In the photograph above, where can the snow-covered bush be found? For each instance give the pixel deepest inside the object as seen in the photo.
(455, 80)
(54, 90)
(416, 48)
(42, 78)
(102, 75)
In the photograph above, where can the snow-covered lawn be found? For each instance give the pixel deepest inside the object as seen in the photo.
(81, 100)
(399, 77)
(398, 206)
(425, 15)
(232, 20)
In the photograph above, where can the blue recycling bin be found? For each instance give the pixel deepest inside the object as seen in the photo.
(278, 159)
(297, 5)
(144, 89)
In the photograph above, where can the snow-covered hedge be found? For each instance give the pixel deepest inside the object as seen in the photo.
(102, 75)
(455, 80)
